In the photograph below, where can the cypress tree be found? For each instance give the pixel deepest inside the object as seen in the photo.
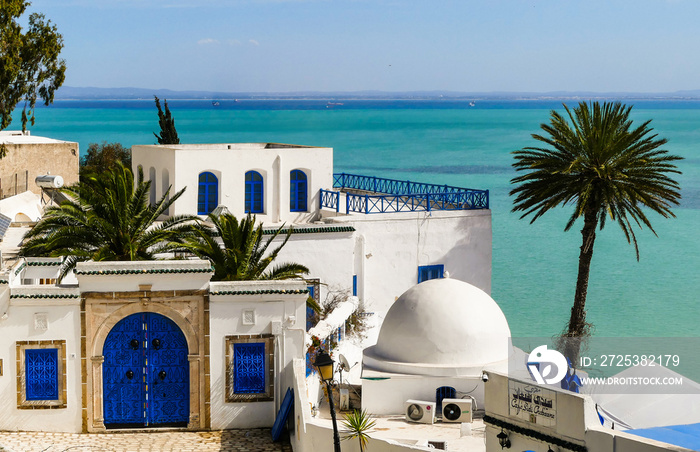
(168, 134)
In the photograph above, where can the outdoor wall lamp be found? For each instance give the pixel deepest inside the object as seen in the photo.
(503, 440)
(324, 364)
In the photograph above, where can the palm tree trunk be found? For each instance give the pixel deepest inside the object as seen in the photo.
(577, 322)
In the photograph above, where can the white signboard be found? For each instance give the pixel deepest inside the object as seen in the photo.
(532, 403)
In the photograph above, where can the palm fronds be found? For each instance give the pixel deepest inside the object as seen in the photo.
(238, 252)
(107, 218)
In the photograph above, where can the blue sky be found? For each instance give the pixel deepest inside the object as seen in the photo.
(388, 45)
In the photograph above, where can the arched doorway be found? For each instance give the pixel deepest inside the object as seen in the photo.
(146, 373)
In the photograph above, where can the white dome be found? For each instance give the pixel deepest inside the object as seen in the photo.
(441, 327)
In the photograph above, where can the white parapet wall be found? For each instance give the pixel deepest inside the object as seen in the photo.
(334, 320)
(143, 275)
(311, 435)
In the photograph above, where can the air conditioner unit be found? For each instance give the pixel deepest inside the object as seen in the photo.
(420, 411)
(456, 410)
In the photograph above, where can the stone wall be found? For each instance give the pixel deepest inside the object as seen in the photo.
(25, 161)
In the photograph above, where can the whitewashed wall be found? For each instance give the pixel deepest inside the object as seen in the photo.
(328, 255)
(385, 251)
(387, 396)
(230, 162)
(63, 324)
(395, 245)
(109, 280)
(225, 313)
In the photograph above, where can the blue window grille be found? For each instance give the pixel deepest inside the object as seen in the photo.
(41, 370)
(253, 192)
(430, 272)
(443, 392)
(208, 197)
(298, 191)
(249, 368)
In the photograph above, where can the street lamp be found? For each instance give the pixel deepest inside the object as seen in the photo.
(503, 440)
(324, 364)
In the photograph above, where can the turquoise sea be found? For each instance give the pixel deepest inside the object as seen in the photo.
(448, 142)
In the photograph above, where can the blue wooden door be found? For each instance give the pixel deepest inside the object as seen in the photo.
(145, 373)
(168, 372)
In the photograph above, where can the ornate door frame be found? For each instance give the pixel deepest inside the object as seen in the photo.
(102, 312)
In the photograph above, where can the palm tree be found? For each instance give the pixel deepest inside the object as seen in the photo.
(107, 218)
(594, 159)
(357, 424)
(237, 251)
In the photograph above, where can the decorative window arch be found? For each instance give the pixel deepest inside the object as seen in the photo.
(298, 191)
(208, 196)
(253, 192)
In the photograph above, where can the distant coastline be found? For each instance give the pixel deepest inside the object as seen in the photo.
(88, 93)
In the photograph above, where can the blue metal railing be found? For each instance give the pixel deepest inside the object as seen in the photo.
(399, 196)
(390, 186)
(330, 199)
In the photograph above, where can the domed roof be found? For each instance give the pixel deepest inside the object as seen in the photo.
(441, 327)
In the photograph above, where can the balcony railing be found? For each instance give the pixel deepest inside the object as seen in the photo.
(390, 186)
(389, 195)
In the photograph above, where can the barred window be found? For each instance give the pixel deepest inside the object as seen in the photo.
(249, 368)
(41, 370)
(41, 374)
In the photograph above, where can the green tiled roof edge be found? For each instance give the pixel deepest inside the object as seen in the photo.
(262, 291)
(43, 295)
(311, 230)
(145, 271)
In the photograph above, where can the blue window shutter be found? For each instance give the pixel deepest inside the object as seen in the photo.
(208, 194)
(249, 368)
(430, 272)
(41, 370)
(253, 192)
(298, 191)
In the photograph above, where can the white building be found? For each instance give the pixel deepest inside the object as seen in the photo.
(144, 344)
(368, 236)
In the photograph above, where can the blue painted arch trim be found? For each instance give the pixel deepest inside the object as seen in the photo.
(254, 192)
(208, 193)
(298, 191)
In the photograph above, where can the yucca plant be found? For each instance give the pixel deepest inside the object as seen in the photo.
(592, 158)
(357, 424)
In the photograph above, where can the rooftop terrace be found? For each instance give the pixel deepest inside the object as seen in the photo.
(368, 194)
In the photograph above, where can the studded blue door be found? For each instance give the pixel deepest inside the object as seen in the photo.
(145, 373)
